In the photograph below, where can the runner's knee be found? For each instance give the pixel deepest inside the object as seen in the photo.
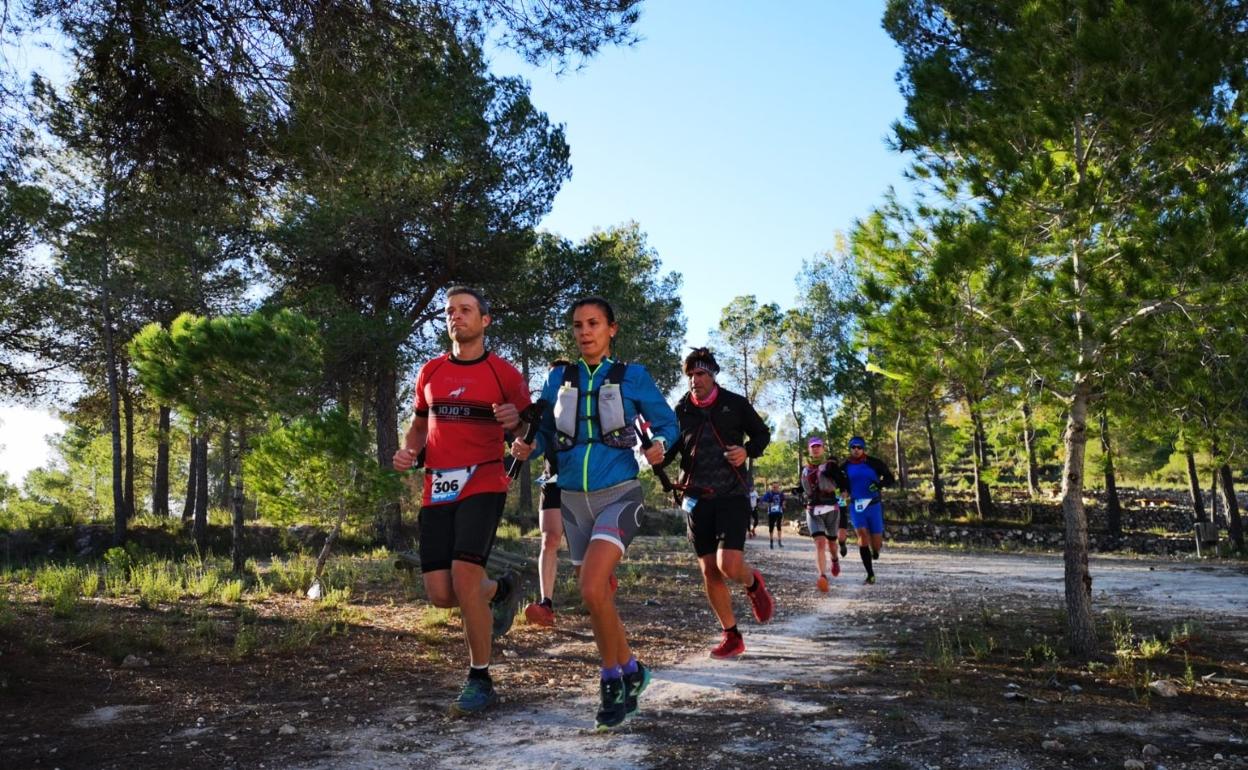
(466, 580)
(595, 593)
(550, 539)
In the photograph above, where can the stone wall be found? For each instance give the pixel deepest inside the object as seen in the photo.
(1020, 538)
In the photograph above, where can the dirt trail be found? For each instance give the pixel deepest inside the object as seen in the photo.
(795, 699)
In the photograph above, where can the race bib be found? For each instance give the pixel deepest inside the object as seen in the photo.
(689, 503)
(775, 508)
(445, 485)
(861, 505)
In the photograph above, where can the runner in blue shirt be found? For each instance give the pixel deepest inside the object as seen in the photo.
(865, 476)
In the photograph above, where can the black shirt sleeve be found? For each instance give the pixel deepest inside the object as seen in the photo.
(881, 470)
(757, 430)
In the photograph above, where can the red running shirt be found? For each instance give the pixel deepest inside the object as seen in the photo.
(458, 397)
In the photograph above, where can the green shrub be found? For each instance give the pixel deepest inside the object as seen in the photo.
(293, 575)
(59, 583)
(156, 583)
(231, 592)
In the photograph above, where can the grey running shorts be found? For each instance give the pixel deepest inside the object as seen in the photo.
(612, 514)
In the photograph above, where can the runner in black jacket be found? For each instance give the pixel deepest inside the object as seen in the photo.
(719, 430)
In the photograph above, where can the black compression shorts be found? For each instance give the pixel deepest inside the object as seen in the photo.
(459, 531)
(550, 496)
(719, 522)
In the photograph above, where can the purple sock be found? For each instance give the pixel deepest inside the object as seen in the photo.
(630, 667)
(611, 672)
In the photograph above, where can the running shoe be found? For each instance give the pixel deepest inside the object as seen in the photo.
(781, 543)
(613, 711)
(822, 584)
(772, 545)
(875, 554)
(870, 581)
(539, 614)
(504, 610)
(760, 599)
(634, 685)
(476, 696)
(731, 646)
(836, 568)
(844, 548)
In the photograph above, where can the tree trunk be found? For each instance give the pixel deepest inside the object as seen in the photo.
(201, 496)
(114, 406)
(1113, 508)
(237, 556)
(127, 404)
(874, 401)
(1193, 487)
(192, 478)
(330, 539)
(388, 522)
(1079, 624)
(1213, 491)
(1232, 507)
(979, 457)
(226, 496)
(898, 454)
(938, 485)
(160, 485)
(1029, 442)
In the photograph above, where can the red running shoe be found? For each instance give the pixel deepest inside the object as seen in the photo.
(539, 615)
(822, 584)
(836, 568)
(760, 599)
(731, 646)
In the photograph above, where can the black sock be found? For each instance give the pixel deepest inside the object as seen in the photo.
(732, 631)
(753, 586)
(503, 591)
(865, 552)
(547, 602)
(479, 673)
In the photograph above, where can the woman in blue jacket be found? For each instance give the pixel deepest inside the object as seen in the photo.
(590, 427)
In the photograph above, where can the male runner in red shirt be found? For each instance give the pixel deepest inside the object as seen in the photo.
(465, 399)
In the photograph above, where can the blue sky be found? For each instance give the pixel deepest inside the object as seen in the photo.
(741, 136)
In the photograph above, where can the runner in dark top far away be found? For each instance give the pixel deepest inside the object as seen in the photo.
(864, 477)
(773, 501)
(464, 401)
(591, 427)
(753, 510)
(821, 479)
(719, 430)
(542, 612)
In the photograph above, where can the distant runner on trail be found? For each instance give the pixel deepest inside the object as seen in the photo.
(542, 612)
(465, 399)
(591, 427)
(773, 501)
(864, 477)
(713, 447)
(820, 481)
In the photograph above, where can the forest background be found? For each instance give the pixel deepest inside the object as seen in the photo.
(226, 234)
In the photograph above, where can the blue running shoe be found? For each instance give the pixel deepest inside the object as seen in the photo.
(634, 685)
(612, 712)
(477, 696)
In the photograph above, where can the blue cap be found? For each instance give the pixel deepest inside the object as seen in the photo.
(857, 441)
